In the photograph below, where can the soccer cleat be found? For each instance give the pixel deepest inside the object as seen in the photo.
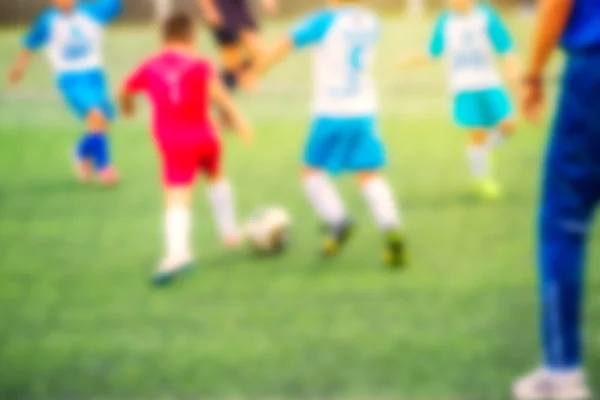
(544, 384)
(336, 237)
(488, 189)
(170, 269)
(108, 176)
(395, 251)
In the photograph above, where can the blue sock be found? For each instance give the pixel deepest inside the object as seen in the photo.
(101, 150)
(84, 149)
(561, 272)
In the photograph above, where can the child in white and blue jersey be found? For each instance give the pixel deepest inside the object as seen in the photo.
(71, 33)
(344, 136)
(469, 36)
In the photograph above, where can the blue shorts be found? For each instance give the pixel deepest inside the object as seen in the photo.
(482, 108)
(344, 145)
(85, 91)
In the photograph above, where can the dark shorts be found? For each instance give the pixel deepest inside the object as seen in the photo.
(237, 17)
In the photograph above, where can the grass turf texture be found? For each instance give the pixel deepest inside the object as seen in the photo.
(80, 320)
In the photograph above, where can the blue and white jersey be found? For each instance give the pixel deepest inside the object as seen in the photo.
(73, 40)
(469, 43)
(345, 39)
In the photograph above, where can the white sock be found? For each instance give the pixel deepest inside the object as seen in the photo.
(495, 139)
(324, 198)
(380, 199)
(177, 232)
(478, 157)
(222, 203)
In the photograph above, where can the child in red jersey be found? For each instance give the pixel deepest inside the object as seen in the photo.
(181, 88)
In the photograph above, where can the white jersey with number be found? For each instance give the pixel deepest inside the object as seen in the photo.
(469, 43)
(344, 42)
(73, 40)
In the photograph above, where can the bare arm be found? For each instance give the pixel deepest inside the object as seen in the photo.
(20, 66)
(220, 96)
(210, 12)
(270, 57)
(274, 55)
(513, 69)
(414, 60)
(127, 103)
(270, 6)
(551, 21)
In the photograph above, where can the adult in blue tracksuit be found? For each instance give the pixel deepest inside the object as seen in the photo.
(570, 191)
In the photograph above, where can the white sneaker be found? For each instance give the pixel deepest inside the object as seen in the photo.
(544, 384)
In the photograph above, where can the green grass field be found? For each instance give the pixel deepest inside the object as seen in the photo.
(79, 320)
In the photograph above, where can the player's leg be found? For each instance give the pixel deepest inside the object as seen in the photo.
(97, 128)
(320, 157)
(499, 115)
(179, 173)
(566, 209)
(87, 95)
(571, 189)
(471, 113)
(382, 203)
(478, 158)
(221, 197)
(365, 156)
(329, 207)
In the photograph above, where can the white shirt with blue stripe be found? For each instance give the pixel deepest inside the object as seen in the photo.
(469, 43)
(344, 41)
(73, 40)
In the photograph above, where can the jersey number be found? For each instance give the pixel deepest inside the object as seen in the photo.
(356, 65)
(77, 46)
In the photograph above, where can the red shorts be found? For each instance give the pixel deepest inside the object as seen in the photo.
(183, 159)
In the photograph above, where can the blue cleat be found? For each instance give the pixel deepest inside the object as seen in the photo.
(170, 270)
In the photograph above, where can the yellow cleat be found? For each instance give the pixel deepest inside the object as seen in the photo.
(488, 189)
(335, 239)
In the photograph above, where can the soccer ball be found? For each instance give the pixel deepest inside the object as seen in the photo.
(268, 230)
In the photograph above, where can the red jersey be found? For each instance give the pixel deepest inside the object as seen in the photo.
(177, 85)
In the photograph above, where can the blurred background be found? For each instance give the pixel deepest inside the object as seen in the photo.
(18, 11)
(79, 319)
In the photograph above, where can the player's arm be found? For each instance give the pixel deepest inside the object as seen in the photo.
(210, 12)
(308, 32)
(551, 21)
(35, 39)
(414, 60)
(19, 66)
(105, 11)
(220, 96)
(127, 103)
(436, 48)
(504, 46)
(133, 85)
(270, 6)
(274, 55)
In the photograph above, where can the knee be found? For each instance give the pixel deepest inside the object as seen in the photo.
(507, 127)
(96, 121)
(364, 177)
(478, 137)
(308, 172)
